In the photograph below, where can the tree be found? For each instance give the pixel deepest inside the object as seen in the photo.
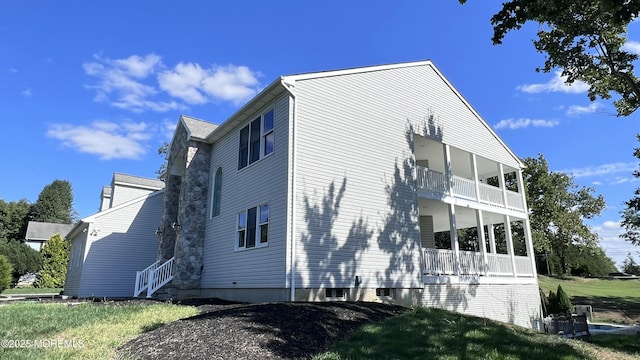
(55, 257)
(564, 303)
(55, 204)
(558, 208)
(23, 258)
(5, 273)
(631, 214)
(14, 219)
(583, 38)
(630, 266)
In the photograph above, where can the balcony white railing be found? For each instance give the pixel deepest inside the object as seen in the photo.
(436, 182)
(464, 187)
(443, 262)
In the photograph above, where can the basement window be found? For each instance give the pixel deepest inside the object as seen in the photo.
(335, 294)
(384, 292)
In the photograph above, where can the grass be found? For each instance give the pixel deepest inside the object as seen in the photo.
(91, 331)
(612, 300)
(438, 334)
(31, 291)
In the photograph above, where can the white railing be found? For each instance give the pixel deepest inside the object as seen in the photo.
(439, 262)
(431, 180)
(514, 200)
(443, 262)
(142, 279)
(523, 266)
(499, 265)
(464, 187)
(491, 194)
(160, 276)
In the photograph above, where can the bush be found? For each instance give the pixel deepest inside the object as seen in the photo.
(55, 257)
(564, 303)
(6, 273)
(552, 303)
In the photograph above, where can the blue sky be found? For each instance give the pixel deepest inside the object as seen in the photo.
(89, 88)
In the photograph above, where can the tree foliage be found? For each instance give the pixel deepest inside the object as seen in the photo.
(55, 258)
(163, 151)
(23, 258)
(6, 269)
(14, 219)
(630, 266)
(55, 204)
(564, 303)
(558, 208)
(631, 214)
(584, 38)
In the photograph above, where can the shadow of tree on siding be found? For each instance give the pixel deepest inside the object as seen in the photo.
(332, 263)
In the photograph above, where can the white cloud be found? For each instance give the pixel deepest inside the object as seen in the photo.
(604, 169)
(13, 70)
(556, 84)
(195, 85)
(614, 246)
(632, 46)
(109, 140)
(578, 110)
(513, 124)
(141, 83)
(27, 93)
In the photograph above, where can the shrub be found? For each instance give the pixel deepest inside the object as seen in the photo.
(545, 303)
(6, 273)
(23, 258)
(564, 303)
(55, 257)
(552, 303)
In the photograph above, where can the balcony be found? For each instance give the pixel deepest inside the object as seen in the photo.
(439, 262)
(436, 183)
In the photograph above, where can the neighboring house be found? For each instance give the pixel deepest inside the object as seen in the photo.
(39, 232)
(108, 247)
(371, 184)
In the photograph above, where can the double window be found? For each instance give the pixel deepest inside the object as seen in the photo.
(256, 140)
(253, 227)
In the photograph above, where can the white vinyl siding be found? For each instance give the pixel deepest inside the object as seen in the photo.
(75, 266)
(124, 193)
(264, 181)
(120, 242)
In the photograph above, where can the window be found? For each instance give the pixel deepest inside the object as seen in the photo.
(256, 140)
(217, 188)
(334, 293)
(253, 227)
(384, 292)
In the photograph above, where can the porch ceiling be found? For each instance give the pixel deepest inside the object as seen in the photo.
(465, 217)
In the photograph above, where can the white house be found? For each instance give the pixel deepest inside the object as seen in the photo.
(38, 233)
(379, 183)
(109, 246)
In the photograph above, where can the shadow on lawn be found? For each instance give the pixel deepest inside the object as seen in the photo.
(627, 307)
(434, 334)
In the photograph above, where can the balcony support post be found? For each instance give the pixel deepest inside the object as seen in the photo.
(454, 237)
(482, 243)
(503, 187)
(474, 171)
(492, 239)
(529, 242)
(448, 173)
(509, 238)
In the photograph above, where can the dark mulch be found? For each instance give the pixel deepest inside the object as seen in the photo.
(256, 331)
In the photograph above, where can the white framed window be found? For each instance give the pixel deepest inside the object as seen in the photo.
(385, 293)
(256, 139)
(335, 294)
(253, 227)
(216, 193)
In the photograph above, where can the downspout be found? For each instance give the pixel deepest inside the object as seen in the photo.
(292, 230)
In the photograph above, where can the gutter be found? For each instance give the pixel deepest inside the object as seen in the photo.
(292, 230)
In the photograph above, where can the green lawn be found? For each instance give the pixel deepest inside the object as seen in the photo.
(438, 334)
(86, 331)
(31, 291)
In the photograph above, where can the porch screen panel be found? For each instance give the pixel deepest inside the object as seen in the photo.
(427, 237)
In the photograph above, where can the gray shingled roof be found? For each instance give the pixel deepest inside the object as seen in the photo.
(44, 231)
(198, 129)
(137, 180)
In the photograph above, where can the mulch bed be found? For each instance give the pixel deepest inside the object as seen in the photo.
(225, 330)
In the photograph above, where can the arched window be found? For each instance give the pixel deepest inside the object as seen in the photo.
(217, 189)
